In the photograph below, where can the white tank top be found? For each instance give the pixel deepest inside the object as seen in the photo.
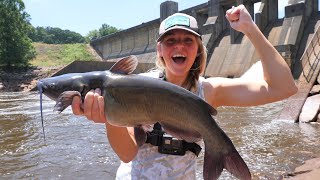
(150, 164)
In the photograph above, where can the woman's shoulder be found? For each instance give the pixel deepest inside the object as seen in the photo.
(213, 81)
(154, 73)
(212, 88)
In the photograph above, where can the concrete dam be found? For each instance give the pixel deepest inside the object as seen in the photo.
(230, 53)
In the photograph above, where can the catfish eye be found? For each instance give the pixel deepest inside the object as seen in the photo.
(52, 85)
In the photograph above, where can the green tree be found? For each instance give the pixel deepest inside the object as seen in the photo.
(104, 30)
(15, 46)
(92, 35)
(51, 35)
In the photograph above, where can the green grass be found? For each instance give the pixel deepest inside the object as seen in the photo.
(60, 54)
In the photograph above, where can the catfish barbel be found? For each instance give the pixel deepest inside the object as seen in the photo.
(135, 100)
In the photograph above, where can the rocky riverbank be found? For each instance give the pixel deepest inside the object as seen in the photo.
(24, 80)
(310, 170)
(311, 109)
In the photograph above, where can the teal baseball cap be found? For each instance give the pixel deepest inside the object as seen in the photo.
(178, 21)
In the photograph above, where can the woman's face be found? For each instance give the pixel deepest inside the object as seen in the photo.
(179, 49)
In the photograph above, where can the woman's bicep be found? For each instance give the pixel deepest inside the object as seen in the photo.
(237, 92)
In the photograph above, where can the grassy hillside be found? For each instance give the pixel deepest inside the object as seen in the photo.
(49, 59)
(49, 55)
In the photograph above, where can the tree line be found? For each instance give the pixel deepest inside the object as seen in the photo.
(54, 35)
(17, 35)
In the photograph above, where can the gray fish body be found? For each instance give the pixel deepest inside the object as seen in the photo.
(134, 100)
(145, 100)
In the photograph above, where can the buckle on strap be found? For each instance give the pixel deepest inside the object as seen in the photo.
(170, 145)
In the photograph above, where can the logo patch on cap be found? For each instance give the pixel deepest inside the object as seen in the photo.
(177, 20)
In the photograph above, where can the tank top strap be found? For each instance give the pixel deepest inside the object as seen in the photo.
(200, 92)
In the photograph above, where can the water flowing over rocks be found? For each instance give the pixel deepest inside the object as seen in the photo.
(315, 90)
(308, 171)
(311, 108)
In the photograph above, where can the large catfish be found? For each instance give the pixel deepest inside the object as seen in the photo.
(135, 100)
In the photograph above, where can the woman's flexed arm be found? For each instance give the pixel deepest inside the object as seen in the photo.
(275, 84)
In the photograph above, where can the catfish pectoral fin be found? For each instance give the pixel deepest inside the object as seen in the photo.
(65, 100)
(140, 135)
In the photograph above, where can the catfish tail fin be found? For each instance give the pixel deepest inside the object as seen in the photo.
(215, 162)
(212, 166)
(236, 166)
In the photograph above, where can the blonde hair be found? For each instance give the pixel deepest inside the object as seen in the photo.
(196, 70)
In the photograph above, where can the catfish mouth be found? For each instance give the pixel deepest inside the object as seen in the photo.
(179, 59)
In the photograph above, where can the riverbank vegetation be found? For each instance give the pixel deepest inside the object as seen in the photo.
(60, 54)
(23, 46)
(15, 46)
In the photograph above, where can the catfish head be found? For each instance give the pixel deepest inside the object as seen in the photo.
(63, 88)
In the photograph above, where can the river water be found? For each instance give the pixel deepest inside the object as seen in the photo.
(76, 148)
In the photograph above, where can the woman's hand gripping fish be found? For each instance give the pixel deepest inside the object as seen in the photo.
(133, 100)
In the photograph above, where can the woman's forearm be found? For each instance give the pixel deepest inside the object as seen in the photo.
(122, 141)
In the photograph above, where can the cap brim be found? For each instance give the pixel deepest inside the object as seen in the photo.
(178, 27)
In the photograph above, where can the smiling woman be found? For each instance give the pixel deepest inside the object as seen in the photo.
(179, 49)
(181, 59)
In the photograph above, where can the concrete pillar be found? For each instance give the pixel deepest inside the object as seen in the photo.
(250, 7)
(315, 6)
(248, 4)
(295, 8)
(168, 8)
(215, 12)
(272, 9)
(294, 1)
(311, 7)
(214, 8)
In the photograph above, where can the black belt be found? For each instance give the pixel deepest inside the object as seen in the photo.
(170, 145)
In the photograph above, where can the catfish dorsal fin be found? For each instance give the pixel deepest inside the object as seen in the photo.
(213, 111)
(125, 65)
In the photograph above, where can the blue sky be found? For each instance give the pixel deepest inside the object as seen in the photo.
(83, 16)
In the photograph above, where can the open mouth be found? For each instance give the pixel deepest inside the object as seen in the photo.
(179, 59)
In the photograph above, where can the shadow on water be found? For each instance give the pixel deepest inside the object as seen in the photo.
(76, 148)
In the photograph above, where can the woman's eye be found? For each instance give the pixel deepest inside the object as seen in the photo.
(188, 41)
(170, 41)
(173, 41)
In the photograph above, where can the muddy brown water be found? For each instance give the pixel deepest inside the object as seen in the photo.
(76, 148)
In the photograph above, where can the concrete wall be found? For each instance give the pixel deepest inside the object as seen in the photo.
(136, 40)
(229, 52)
